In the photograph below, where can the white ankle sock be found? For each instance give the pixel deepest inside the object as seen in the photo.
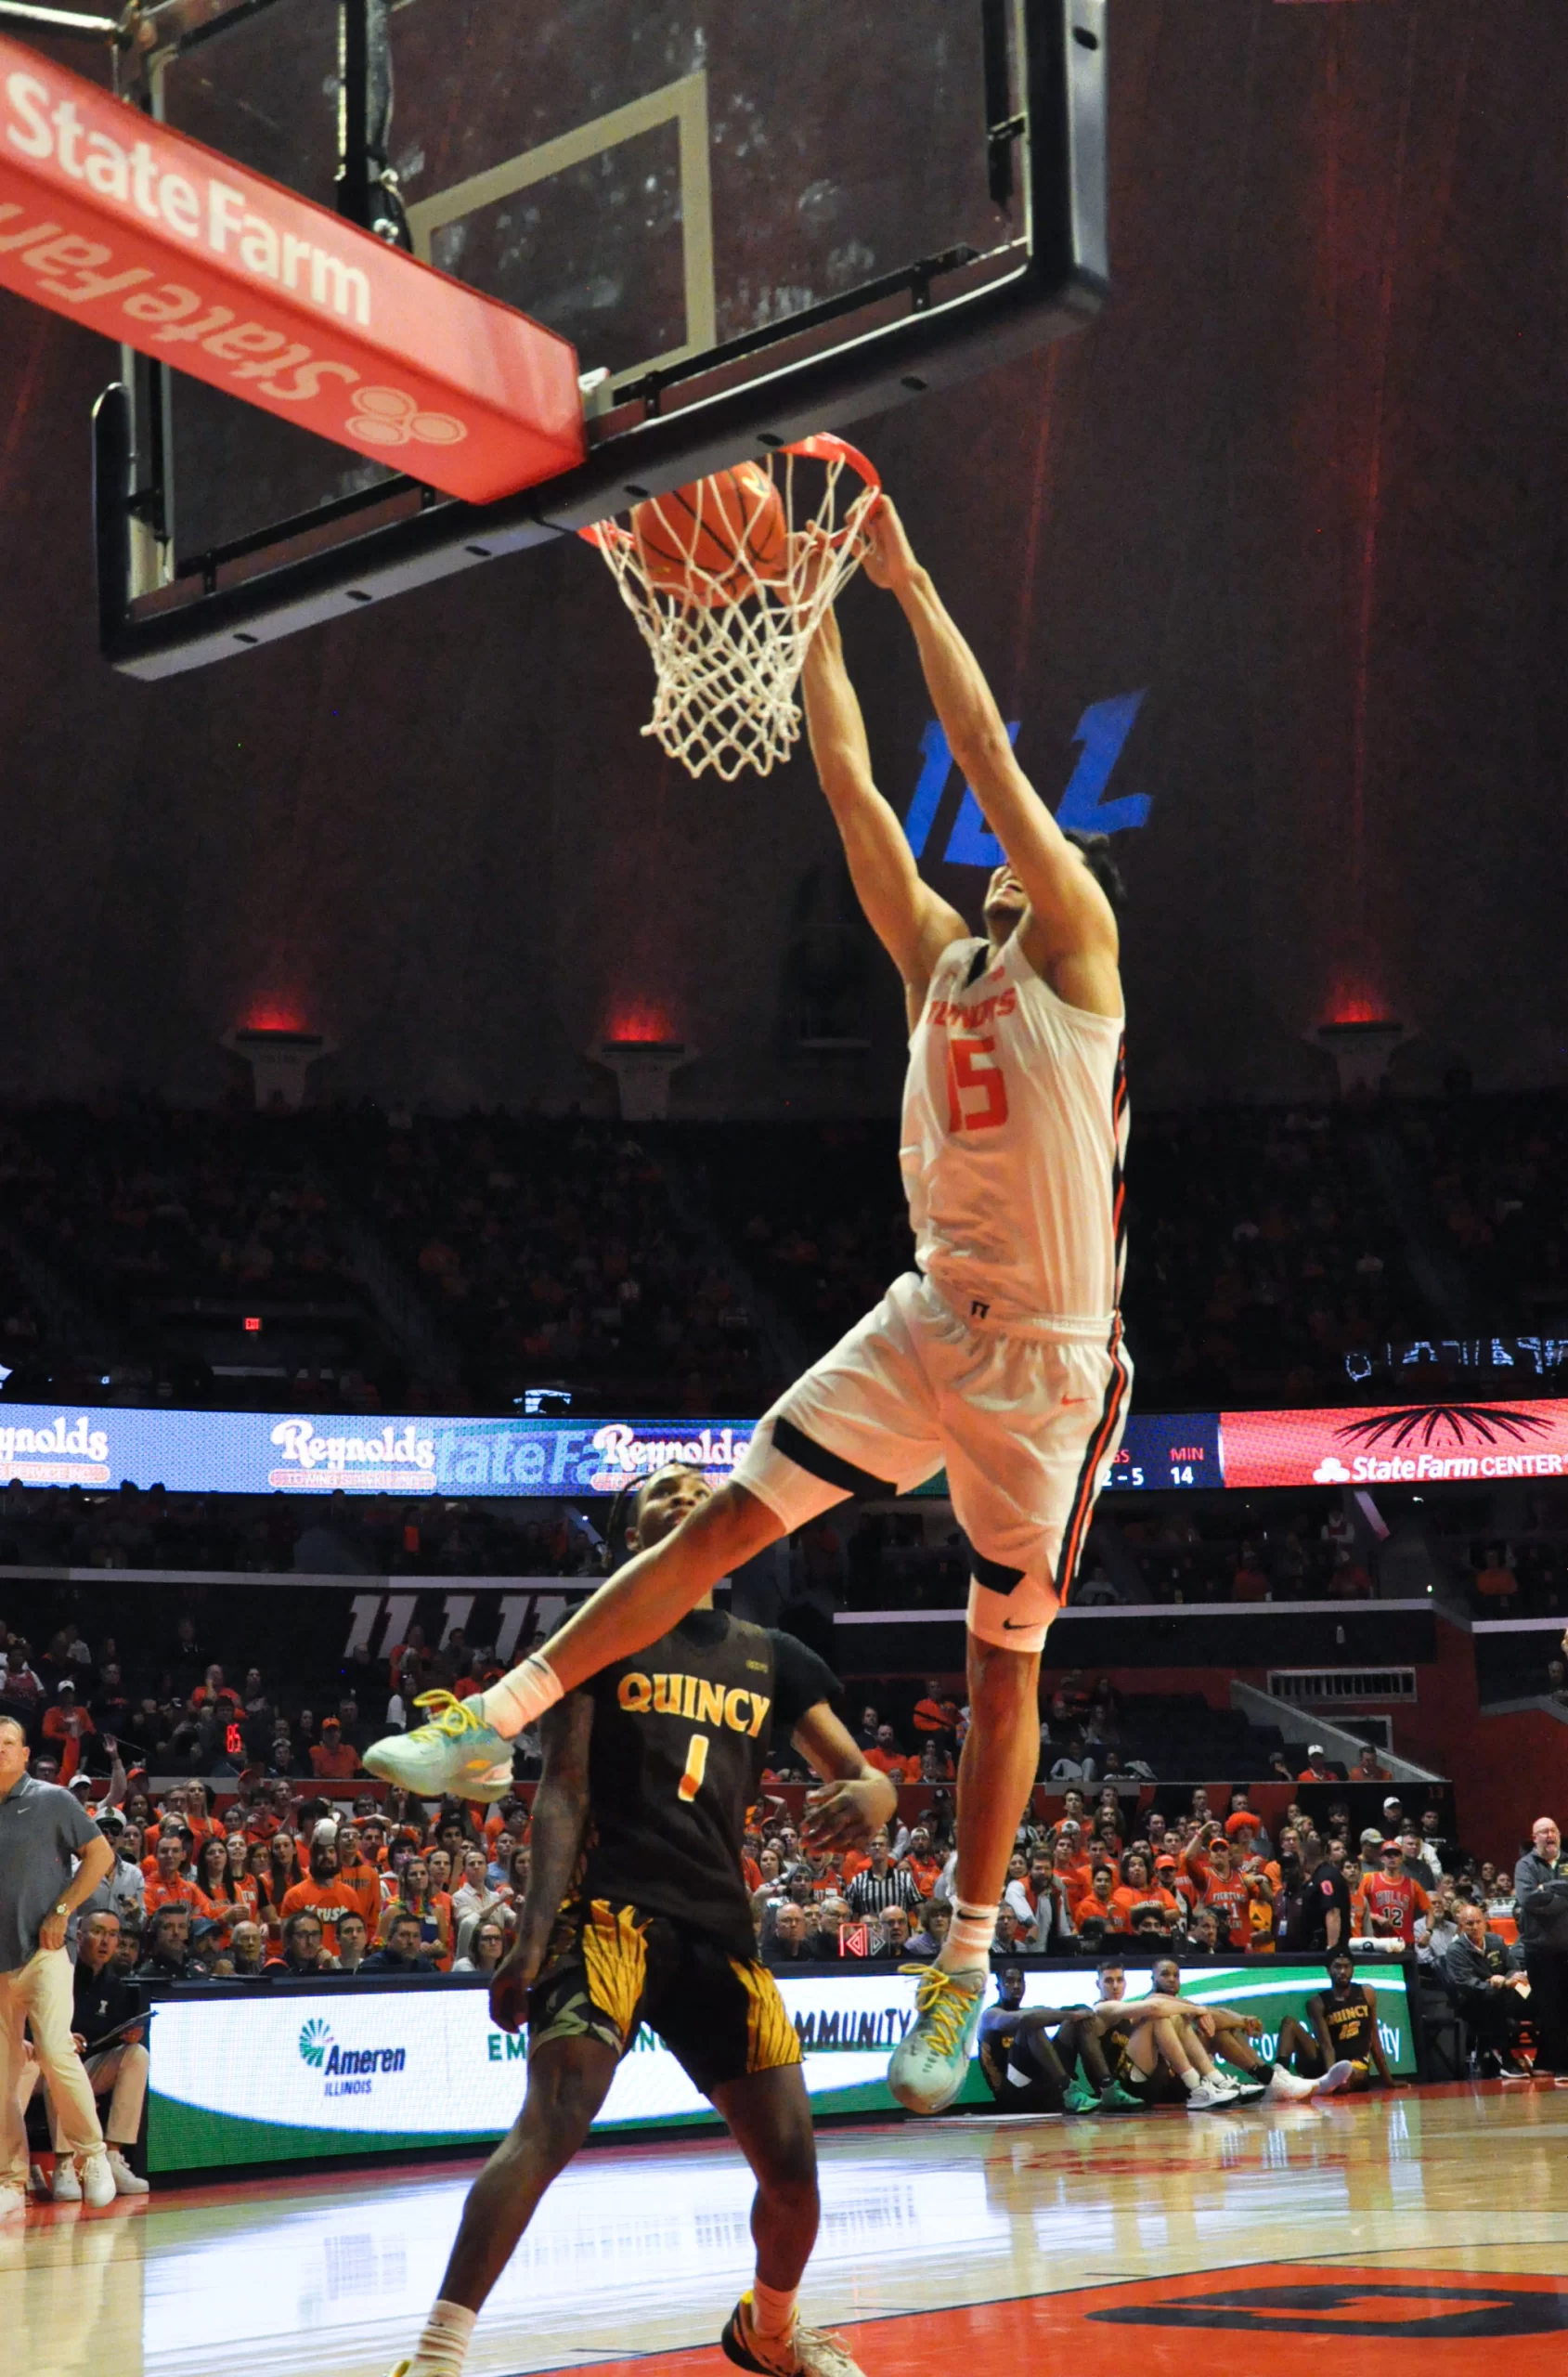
(443, 2348)
(522, 1697)
(969, 1936)
(1190, 2080)
(772, 2309)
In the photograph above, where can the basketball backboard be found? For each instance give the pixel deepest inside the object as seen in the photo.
(753, 219)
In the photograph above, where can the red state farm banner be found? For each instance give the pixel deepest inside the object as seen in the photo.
(1402, 1444)
(152, 239)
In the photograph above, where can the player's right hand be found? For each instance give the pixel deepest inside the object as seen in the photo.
(513, 1978)
(889, 559)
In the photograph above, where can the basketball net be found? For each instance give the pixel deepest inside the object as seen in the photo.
(728, 650)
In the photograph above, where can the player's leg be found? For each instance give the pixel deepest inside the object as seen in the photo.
(569, 2081)
(727, 2025)
(861, 1421)
(1028, 1429)
(1297, 2050)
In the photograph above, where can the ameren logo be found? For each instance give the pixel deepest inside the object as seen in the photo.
(383, 1464)
(1398, 1469)
(350, 2071)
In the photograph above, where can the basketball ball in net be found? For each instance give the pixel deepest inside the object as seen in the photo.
(709, 540)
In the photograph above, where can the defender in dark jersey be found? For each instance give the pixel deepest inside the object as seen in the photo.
(637, 1912)
(1344, 2030)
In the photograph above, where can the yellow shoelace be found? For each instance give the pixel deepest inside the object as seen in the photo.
(455, 1716)
(947, 2002)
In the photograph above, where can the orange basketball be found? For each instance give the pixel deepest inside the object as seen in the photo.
(709, 540)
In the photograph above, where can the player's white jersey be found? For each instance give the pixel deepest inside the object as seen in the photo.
(1015, 1129)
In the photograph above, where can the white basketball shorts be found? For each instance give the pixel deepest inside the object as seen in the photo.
(1026, 1428)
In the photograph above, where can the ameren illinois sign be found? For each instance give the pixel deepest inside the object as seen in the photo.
(155, 240)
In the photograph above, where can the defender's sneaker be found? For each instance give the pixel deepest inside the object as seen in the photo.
(1334, 2079)
(931, 2060)
(805, 2352)
(1078, 2098)
(455, 1751)
(1213, 2090)
(1118, 2099)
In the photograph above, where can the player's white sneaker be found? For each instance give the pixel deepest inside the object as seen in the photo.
(1334, 2079)
(805, 2352)
(1285, 2088)
(67, 2188)
(931, 2061)
(126, 2181)
(97, 2182)
(13, 2203)
(1215, 2090)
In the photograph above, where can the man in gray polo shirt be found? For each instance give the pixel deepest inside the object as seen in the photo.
(42, 1832)
(1540, 1895)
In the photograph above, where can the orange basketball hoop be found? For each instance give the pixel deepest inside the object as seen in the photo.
(727, 607)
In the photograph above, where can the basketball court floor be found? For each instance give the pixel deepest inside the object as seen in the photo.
(1413, 2229)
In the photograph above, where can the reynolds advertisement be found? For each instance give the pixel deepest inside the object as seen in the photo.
(279, 1452)
(241, 2079)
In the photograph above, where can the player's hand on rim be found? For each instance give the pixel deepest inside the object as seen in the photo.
(887, 557)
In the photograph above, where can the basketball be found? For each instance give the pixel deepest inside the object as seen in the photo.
(707, 542)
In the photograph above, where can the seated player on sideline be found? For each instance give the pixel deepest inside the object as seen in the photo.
(1000, 1358)
(1344, 2020)
(1232, 2033)
(1159, 2057)
(654, 1764)
(1022, 2066)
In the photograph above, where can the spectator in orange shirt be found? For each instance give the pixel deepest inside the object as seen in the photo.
(333, 1758)
(171, 1886)
(323, 1893)
(1138, 1894)
(920, 1860)
(1096, 1906)
(889, 1759)
(232, 1898)
(1368, 1767)
(1318, 1769)
(936, 1716)
(1494, 1582)
(1208, 1860)
(214, 1688)
(65, 1721)
(1386, 1906)
(355, 1873)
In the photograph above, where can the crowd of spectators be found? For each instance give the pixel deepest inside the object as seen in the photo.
(1492, 1171)
(554, 1249)
(1270, 1252)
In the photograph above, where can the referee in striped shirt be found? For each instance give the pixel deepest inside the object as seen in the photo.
(881, 1885)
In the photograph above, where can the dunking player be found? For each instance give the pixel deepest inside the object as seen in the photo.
(656, 1762)
(1000, 1358)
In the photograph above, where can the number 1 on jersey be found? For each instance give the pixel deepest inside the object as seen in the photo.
(697, 1767)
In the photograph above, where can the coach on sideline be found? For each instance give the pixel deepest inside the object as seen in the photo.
(1540, 1894)
(42, 1829)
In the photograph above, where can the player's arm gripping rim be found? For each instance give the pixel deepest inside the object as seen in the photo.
(1069, 934)
(555, 1839)
(912, 924)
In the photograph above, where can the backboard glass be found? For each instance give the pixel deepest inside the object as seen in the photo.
(753, 219)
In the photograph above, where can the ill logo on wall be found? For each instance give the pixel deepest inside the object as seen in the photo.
(1102, 731)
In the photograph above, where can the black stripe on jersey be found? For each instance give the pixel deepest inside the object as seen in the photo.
(1083, 1492)
(978, 965)
(797, 1446)
(991, 1574)
(1118, 1183)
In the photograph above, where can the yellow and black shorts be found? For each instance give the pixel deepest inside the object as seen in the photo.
(610, 1968)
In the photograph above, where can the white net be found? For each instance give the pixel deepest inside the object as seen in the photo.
(729, 645)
